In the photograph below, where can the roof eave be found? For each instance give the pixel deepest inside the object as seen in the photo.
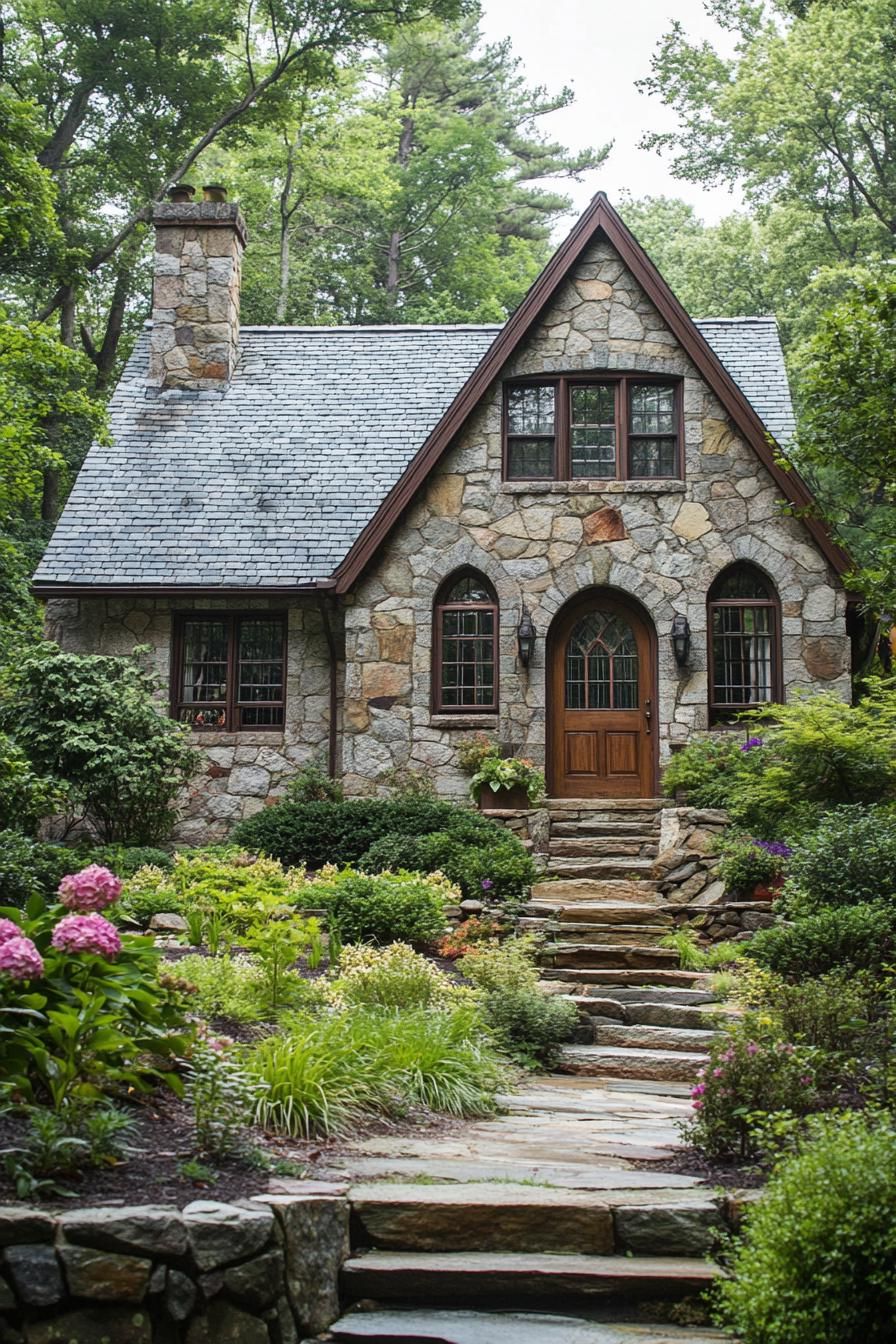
(47, 589)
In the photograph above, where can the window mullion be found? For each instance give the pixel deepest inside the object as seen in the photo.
(622, 429)
(562, 450)
(233, 634)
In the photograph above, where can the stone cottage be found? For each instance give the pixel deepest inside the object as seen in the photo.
(570, 532)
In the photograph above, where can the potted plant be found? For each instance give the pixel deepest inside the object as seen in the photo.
(506, 783)
(753, 869)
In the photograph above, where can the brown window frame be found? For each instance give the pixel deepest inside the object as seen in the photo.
(721, 712)
(232, 706)
(440, 607)
(562, 437)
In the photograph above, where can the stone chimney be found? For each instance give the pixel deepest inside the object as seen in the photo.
(196, 290)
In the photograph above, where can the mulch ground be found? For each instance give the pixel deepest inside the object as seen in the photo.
(729, 1175)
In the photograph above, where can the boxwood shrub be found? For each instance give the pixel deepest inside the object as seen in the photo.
(855, 937)
(493, 863)
(383, 908)
(848, 859)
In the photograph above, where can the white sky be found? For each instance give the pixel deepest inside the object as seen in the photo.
(600, 47)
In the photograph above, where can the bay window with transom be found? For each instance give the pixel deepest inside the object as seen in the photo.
(465, 646)
(228, 671)
(744, 642)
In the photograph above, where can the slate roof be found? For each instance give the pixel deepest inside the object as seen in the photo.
(269, 483)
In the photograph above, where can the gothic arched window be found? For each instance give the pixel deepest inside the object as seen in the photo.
(465, 645)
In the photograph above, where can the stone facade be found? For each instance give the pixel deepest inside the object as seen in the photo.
(196, 294)
(258, 1271)
(243, 770)
(540, 544)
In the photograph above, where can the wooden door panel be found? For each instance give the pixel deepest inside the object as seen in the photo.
(581, 753)
(622, 753)
(602, 684)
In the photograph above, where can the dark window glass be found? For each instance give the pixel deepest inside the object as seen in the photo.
(743, 623)
(231, 672)
(602, 664)
(593, 430)
(530, 432)
(652, 441)
(466, 650)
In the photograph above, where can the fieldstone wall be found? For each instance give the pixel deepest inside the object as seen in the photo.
(258, 1271)
(243, 771)
(689, 887)
(659, 542)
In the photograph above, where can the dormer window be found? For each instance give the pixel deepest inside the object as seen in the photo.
(615, 427)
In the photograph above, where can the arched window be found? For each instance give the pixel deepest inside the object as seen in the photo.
(465, 645)
(744, 641)
(602, 663)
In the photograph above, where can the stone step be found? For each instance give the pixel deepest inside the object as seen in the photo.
(612, 806)
(595, 1061)
(636, 1037)
(596, 847)
(615, 827)
(660, 995)
(595, 890)
(480, 1278)
(507, 1327)
(676, 1014)
(637, 978)
(613, 912)
(601, 868)
(607, 956)
(634, 935)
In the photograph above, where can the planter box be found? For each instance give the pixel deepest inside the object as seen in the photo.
(505, 800)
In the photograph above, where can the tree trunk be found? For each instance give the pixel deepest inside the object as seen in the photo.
(285, 216)
(393, 254)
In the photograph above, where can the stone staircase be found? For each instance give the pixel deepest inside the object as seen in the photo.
(642, 1016)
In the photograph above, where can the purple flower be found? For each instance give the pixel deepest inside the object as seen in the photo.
(750, 743)
(698, 1089)
(775, 847)
(92, 889)
(752, 1048)
(806, 1081)
(487, 884)
(87, 933)
(9, 930)
(20, 959)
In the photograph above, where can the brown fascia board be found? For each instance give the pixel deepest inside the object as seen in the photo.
(46, 590)
(600, 217)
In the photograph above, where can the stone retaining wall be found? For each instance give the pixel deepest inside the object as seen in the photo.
(686, 870)
(257, 1271)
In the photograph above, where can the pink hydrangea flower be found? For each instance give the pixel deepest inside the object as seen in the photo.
(87, 933)
(92, 889)
(8, 929)
(20, 959)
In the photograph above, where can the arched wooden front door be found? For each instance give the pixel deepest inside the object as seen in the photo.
(602, 701)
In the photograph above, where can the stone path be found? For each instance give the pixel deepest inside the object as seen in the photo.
(537, 1226)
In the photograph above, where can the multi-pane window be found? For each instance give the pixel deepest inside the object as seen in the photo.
(617, 427)
(743, 625)
(602, 663)
(465, 670)
(228, 671)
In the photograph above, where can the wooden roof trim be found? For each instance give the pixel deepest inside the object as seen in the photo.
(599, 217)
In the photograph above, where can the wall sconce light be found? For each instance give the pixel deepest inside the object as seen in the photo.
(681, 640)
(525, 637)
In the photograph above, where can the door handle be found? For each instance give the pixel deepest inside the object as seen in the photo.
(647, 715)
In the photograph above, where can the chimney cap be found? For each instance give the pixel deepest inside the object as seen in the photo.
(214, 191)
(181, 192)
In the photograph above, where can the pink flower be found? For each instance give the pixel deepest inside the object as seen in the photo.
(718, 1073)
(87, 933)
(9, 930)
(698, 1089)
(806, 1081)
(92, 889)
(752, 1048)
(20, 959)
(697, 1105)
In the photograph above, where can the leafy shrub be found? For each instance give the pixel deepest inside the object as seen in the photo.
(528, 1024)
(693, 957)
(30, 868)
(237, 886)
(90, 721)
(94, 1017)
(316, 834)
(26, 796)
(390, 977)
(126, 860)
(500, 867)
(849, 859)
(747, 863)
(856, 937)
(705, 769)
(223, 1095)
(61, 1143)
(476, 749)
(236, 988)
(502, 966)
(384, 908)
(468, 935)
(312, 784)
(817, 1261)
(327, 1073)
(750, 1075)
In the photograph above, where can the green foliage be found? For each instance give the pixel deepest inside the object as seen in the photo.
(60, 1143)
(849, 859)
(496, 772)
(30, 868)
(324, 1075)
(90, 721)
(126, 860)
(854, 937)
(817, 1261)
(684, 942)
(706, 769)
(394, 977)
(751, 1073)
(527, 1024)
(480, 860)
(495, 968)
(25, 796)
(383, 908)
(224, 1097)
(312, 784)
(317, 833)
(29, 232)
(224, 987)
(276, 941)
(746, 864)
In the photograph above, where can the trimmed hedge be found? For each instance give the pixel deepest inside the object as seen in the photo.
(852, 937)
(500, 868)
